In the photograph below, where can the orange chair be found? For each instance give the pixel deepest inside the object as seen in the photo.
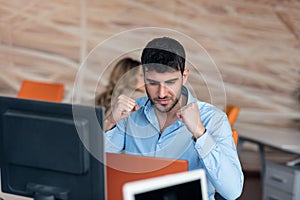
(232, 113)
(41, 91)
(235, 136)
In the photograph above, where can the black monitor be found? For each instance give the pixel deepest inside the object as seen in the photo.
(51, 150)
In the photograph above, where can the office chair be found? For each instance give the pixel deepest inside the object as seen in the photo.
(41, 91)
(235, 136)
(232, 112)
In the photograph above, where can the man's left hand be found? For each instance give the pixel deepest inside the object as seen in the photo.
(190, 116)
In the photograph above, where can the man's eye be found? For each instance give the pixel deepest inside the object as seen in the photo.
(153, 83)
(170, 82)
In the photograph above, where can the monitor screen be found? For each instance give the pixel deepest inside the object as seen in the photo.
(180, 186)
(51, 150)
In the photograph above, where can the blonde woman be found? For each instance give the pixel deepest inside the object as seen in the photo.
(126, 78)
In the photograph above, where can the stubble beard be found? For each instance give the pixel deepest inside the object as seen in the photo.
(164, 110)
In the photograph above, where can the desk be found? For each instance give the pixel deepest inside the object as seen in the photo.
(5, 196)
(284, 139)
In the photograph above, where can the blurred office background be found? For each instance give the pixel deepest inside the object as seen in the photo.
(249, 54)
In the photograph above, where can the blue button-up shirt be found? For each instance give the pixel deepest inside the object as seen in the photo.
(214, 151)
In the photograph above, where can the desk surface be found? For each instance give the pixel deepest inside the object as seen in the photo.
(284, 139)
(5, 196)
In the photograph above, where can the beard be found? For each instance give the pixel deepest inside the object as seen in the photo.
(165, 109)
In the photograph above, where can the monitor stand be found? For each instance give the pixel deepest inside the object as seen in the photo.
(44, 192)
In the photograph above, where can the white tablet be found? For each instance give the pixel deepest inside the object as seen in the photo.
(190, 185)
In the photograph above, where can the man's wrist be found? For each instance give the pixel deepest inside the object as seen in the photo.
(109, 122)
(195, 138)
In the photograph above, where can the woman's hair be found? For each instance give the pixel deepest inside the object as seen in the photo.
(120, 79)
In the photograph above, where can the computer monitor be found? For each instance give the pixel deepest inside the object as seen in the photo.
(190, 185)
(47, 152)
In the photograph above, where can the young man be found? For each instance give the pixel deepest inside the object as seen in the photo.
(171, 123)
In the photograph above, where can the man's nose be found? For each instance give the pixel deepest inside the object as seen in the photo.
(162, 91)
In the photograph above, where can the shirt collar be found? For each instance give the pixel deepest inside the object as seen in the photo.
(190, 98)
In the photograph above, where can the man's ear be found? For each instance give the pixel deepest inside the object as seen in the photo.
(185, 76)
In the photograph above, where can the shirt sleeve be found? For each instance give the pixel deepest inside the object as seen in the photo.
(219, 155)
(115, 138)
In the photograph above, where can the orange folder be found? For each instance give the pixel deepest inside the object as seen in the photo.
(122, 168)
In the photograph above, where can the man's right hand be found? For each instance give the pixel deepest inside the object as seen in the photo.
(123, 107)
